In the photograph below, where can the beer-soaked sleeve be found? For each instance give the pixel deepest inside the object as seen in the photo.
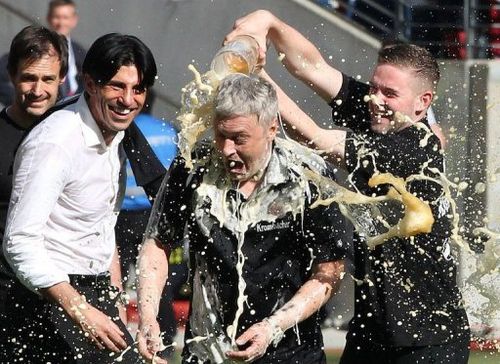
(172, 206)
(327, 230)
(349, 109)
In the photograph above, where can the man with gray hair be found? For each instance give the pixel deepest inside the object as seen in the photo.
(262, 261)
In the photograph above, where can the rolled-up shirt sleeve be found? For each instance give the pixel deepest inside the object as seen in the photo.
(41, 170)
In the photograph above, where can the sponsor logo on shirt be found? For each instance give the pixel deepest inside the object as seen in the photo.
(273, 226)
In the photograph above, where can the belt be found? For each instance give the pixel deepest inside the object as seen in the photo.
(89, 280)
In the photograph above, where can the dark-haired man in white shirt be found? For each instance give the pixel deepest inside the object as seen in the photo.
(66, 196)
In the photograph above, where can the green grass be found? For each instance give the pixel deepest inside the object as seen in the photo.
(476, 357)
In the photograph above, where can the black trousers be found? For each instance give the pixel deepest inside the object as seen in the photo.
(456, 352)
(38, 331)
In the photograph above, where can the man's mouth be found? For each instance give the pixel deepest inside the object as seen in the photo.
(378, 108)
(36, 100)
(120, 110)
(382, 111)
(234, 166)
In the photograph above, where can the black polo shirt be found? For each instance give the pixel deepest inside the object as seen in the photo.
(279, 255)
(409, 296)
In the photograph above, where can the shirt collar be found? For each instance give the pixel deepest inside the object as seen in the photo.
(288, 161)
(276, 171)
(92, 134)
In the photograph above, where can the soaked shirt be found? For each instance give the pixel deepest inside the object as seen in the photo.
(280, 248)
(409, 294)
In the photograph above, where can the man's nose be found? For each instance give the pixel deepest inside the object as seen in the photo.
(227, 147)
(127, 97)
(36, 88)
(379, 97)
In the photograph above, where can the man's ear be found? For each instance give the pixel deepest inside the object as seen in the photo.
(89, 84)
(273, 129)
(424, 101)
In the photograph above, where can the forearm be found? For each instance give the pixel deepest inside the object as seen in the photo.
(299, 52)
(115, 271)
(152, 275)
(310, 297)
(301, 58)
(97, 326)
(303, 129)
(66, 296)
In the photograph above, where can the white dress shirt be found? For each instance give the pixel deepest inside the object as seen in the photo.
(66, 195)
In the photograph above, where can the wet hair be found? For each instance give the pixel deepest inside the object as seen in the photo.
(112, 51)
(413, 57)
(242, 95)
(33, 43)
(57, 3)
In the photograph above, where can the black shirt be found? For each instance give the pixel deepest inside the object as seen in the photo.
(11, 135)
(409, 296)
(278, 254)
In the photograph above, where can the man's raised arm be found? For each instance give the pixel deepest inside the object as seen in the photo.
(303, 128)
(301, 58)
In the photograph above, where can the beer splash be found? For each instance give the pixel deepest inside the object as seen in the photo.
(368, 214)
(197, 116)
(196, 112)
(481, 289)
(417, 217)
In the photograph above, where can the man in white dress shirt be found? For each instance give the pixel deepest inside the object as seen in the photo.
(66, 195)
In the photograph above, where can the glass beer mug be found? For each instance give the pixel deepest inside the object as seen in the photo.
(238, 56)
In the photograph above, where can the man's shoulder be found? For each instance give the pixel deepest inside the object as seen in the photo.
(77, 45)
(65, 117)
(6, 123)
(418, 139)
(79, 51)
(10, 133)
(297, 155)
(351, 90)
(59, 127)
(62, 104)
(349, 108)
